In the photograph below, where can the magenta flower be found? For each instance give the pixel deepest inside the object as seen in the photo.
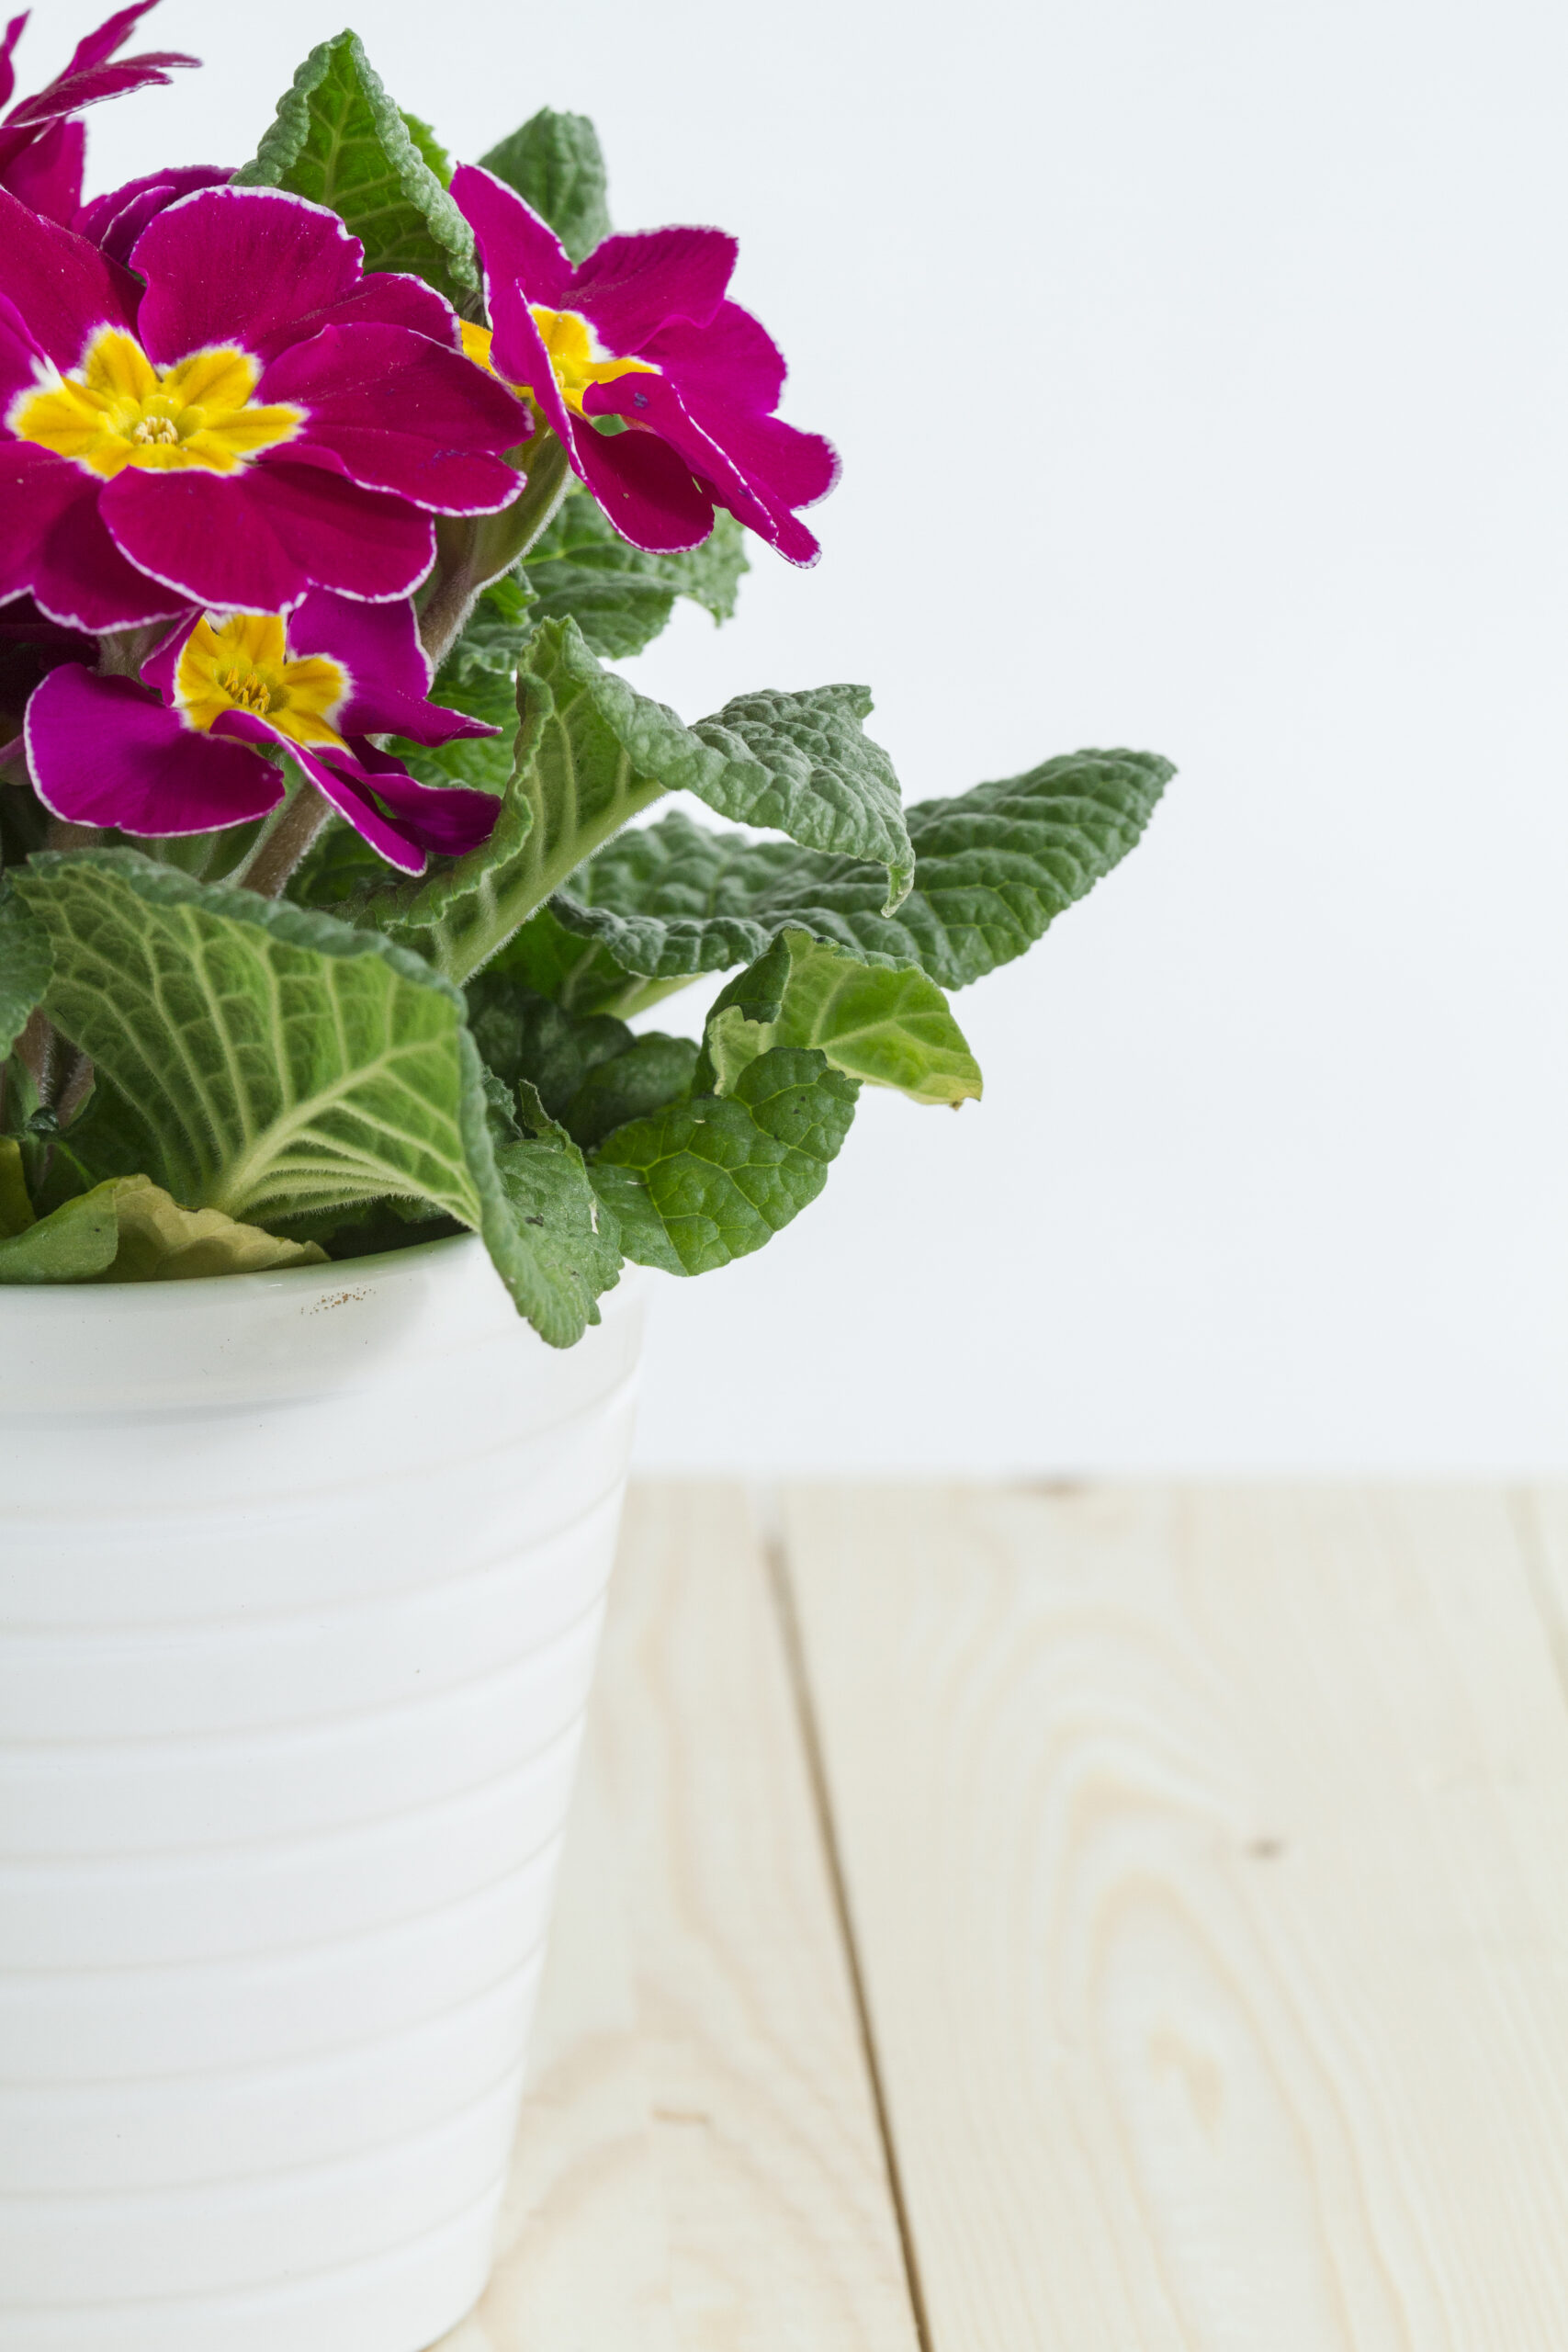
(642, 330)
(194, 745)
(41, 146)
(115, 221)
(258, 420)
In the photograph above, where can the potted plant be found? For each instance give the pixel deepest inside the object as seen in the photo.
(329, 1144)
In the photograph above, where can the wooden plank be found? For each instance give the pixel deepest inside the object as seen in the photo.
(699, 2167)
(1208, 1860)
(582, 2252)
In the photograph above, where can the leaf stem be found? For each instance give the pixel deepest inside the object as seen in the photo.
(281, 849)
(472, 550)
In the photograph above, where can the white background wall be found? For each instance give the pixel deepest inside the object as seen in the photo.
(1199, 371)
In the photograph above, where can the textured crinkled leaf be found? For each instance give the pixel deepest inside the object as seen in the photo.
(652, 1070)
(670, 900)
(555, 1243)
(430, 148)
(709, 1180)
(526, 1039)
(574, 972)
(340, 141)
(255, 1057)
(592, 751)
(802, 763)
(993, 868)
(621, 597)
(889, 1026)
(25, 964)
(556, 163)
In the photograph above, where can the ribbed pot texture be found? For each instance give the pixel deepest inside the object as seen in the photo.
(301, 1577)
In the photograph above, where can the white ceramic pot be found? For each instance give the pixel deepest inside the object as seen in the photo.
(300, 1584)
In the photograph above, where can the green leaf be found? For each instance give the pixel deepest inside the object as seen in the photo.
(993, 868)
(889, 1026)
(556, 164)
(621, 597)
(16, 1208)
(432, 152)
(801, 763)
(339, 141)
(556, 1244)
(526, 1039)
(26, 962)
(575, 972)
(73, 1244)
(160, 1241)
(254, 1058)
(651, 1071)
(267, 1060)
(592, 752)
(670, 900)
(710, 1180)
(127, 1230)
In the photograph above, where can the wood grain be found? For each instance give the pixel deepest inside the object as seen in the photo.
(1208, 1858)
(699, 2167)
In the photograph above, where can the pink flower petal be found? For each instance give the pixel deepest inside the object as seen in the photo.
(514, 244)
(390, 298)
(7, 50)
(630, 286)
(517, 353)
(53, 543)
(449, 819)
(785, 467)
(751, 464)
(62, 286)
(379, 646)
(257, 540)
(21, 362)
(402, 415)
(112, 34)
(115, 221)
(103, 751)
(162, 665)
(733, 358)
(96, 82)
(47, 172)
(645, 488)
(238, 266)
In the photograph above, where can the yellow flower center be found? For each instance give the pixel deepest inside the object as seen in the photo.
(242, 664)
(118, 410)
(569, 339)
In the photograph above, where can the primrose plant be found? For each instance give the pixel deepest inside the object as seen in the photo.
(327, 487)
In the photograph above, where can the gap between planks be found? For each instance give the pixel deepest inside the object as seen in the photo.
(699, 2167)
(1208, 1857)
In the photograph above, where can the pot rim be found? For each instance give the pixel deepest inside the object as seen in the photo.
(197, 1290)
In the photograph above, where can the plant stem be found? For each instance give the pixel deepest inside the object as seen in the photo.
(284, 843)
(475, 549)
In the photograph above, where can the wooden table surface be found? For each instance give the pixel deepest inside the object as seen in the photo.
(1061, 1920)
